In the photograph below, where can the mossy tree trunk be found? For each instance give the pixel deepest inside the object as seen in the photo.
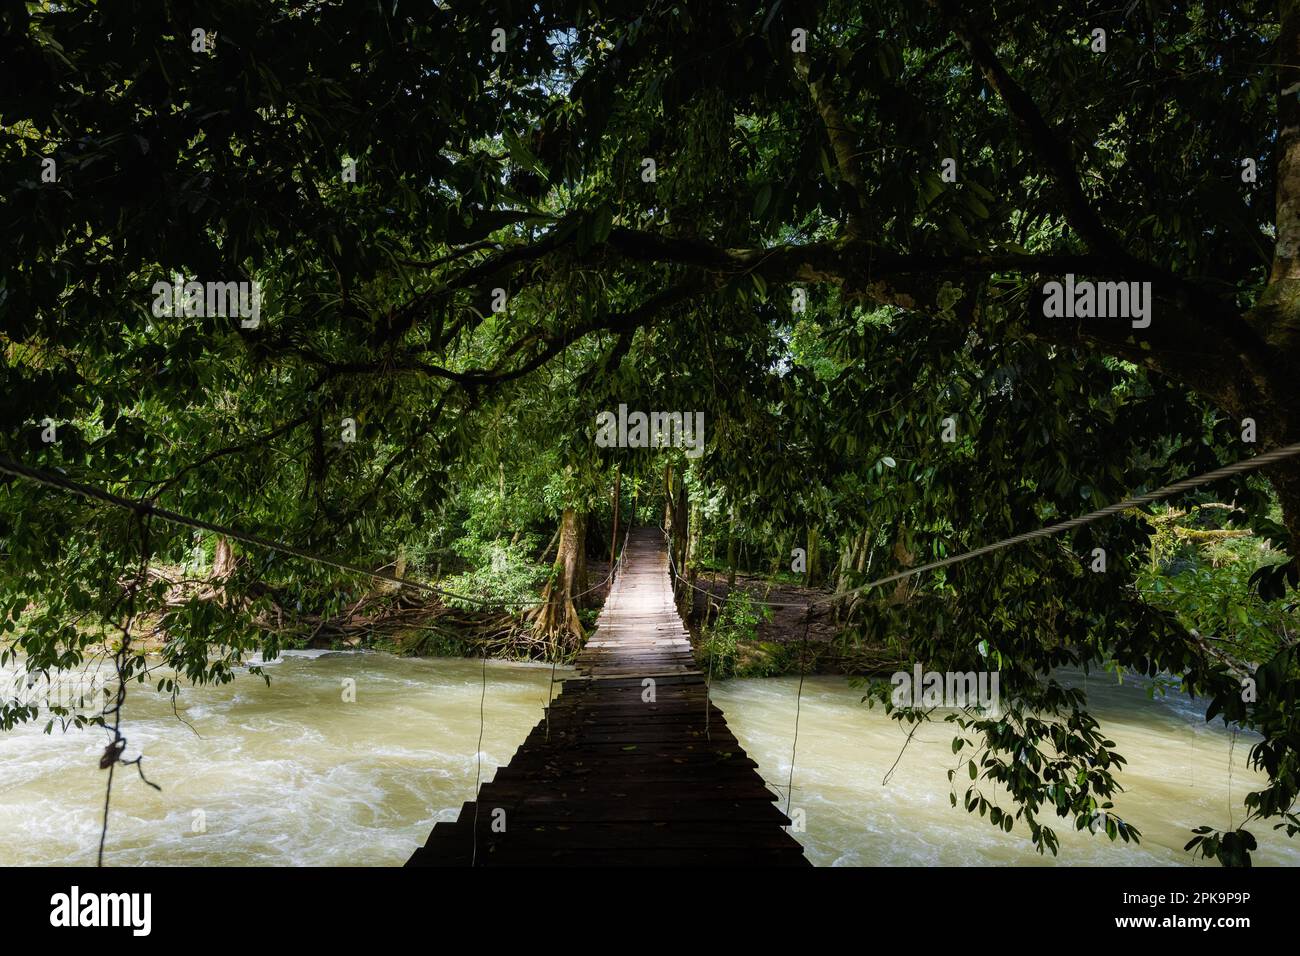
(905, 558)
(556, 619)
(811, 577)
(223, 558)
(732, 553)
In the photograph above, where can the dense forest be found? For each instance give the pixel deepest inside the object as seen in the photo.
(387, 283)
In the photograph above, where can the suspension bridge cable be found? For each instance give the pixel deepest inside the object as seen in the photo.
(614, 567)
(708, 681)
(1168, 491)
(696, 587)
(148, 508)
(145, 507)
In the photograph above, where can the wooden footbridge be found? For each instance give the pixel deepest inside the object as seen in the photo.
(636, 768)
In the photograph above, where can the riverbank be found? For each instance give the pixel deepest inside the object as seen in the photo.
(400, 621)
(783, 629)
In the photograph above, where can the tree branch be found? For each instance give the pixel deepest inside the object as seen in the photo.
(1044, 142)
(1216, 318)
(843, 137)
(233, 450)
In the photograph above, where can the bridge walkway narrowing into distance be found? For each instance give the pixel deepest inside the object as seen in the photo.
(623, 780)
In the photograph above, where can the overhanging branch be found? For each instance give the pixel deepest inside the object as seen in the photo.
(1042, 139)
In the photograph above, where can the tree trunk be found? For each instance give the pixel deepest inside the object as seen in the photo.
(399, 569)
(223, 558)
(731, 554)
(905, 559)
(681, 528)
(1276, 318)
(810, 577)
(556, 619)
(676, 519)
(692, 553)
(852, 566)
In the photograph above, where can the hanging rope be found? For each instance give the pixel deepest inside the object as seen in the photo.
(555, 654)
(146, 508)
(798, 705)
(478, 772)
(803, 649)
(708, 690)
(1240, 467)
(708, 681)
(117, 746)
(1232, 751)
(550, 693)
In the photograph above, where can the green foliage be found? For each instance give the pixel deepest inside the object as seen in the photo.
(764, 659)
(723, 649)
(1209, 588)
(521, 171)
(1231, 849)
(501, 574)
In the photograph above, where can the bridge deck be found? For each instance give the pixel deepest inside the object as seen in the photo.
(622, 779)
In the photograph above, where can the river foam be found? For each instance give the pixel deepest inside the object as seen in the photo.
(291, 774)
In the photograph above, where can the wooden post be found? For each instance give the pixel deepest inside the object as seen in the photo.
(613, 543)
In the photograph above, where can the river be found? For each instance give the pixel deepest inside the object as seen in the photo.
(295, 774)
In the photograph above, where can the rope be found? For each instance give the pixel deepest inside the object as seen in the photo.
(117, 745)
(478, 772)
(550, 693)
(612, 569)
(708, 690)
(1168, 491)
(708, 681)
(1187, 484)
(143, 508)
(798, 706)
(113, 753)
(696, 587)
(1232, 751)
(798, 700)
(146, 508)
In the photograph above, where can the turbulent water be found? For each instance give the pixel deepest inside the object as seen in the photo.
(278, 775)
(1177, 777)
(295, 774)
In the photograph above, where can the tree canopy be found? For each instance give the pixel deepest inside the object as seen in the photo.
(829, 226)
